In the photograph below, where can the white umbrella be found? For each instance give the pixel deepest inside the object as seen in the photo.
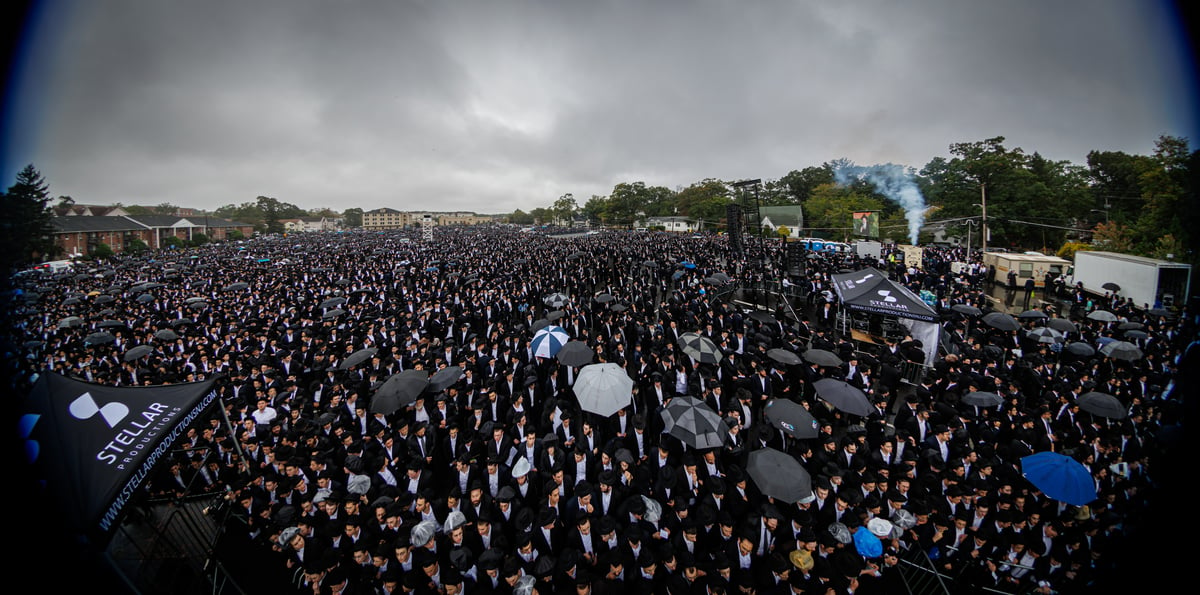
(603, 389)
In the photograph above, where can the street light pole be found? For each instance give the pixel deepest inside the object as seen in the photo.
(983, 205)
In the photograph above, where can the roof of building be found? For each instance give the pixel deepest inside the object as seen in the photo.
(90, 223)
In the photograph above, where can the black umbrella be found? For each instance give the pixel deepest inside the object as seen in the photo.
(539, 324)
(398, 391)
(1001, 321)
(618, 307)
(791, 417)
(843, 396)
(722, 277)
(197, 306)
(1122, 350)
(780, 476)
(604, 298)
(982, 399)
(1032, 315)
(784, 356)
(763, 316)
(110, 323)
(178, 322)
(576, 255)
(1062, 325)
(1111, 286)
(1045, 335)
(334, 313)
(236, 286)
(555, 315)
(357, 357)
(104, 299)
(72, 301)
(1102, 316)
(144, 298)
(1130, 326)
(822, 357)
(166, 335)
(445, 378)
(1136, 335)
(99, 338)
(650, 264)
(966, 310)
(1102, 404)
(700, 348)
(1080, 349)
(575, 353)
(694, 423)
(136, 352)
(1156, 312)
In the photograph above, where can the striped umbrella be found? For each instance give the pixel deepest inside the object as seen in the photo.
(547, 341)
(700, 348)
(694, 423)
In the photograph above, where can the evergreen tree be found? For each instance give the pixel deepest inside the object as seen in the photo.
(25, 213)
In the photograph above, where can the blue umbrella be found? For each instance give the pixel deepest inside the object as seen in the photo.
(1059, 477)
(547, 341)
(676, 275)
(688, 265)
(867, 544)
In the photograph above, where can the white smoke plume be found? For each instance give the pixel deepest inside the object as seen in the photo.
(893, 181)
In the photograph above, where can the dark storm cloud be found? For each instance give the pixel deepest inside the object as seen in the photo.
(492, 106)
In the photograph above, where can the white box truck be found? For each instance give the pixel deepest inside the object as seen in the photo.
(1148, 282)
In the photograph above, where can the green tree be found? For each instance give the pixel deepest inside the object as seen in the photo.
(801, 184)
(541, 216)
(272, 211)
(1113, 236)
(247, 212)
(136, 246)
(139, 210)
(627, 203)
(519, 217)
(829, 211)
(102, 250)
(198, 239)
(595, 209)
(352, 217)
(25, 216)
(173, 243)
(564, 209)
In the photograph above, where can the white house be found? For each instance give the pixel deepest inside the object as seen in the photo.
(679, 224)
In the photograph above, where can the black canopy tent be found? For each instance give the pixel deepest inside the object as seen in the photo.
(871, 291)
(94, 447)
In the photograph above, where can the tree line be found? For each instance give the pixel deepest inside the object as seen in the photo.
(1119, 201)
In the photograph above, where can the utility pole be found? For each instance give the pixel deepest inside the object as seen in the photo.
(983, 205)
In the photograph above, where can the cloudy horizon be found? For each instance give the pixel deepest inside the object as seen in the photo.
(494, 106)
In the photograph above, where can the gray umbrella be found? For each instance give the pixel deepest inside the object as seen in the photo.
(1122, 350)
(1062, 325)
(72, 301)
(982, 399)
(71, 322)
(843, 396)
(575, 353)
(555, 315)
(178, 322)
(603, 389)
(700, 348)
(1156, 312)
(398, 391)
(539, 324)
(197, 306)
(822, 357)
(104, 299)
(1130, 326)
(618, 307)
(136, 352)
(334, 313)
(1102, 404)
(357, 357)
(722, 277)
(556, 300)
(650, 264)
(194, 299)
(694, 423)
(240, 285)
(1080, 349)
(1001, 321)
(145, 298)
(1102, 316)
(780, 476)
(166, 335)
(966, 310)
(110, 323)
(444, 378)
(784, 356)
(1136, 335)
(604, 298)
(1032, 315)
(791, 417)
(332, 303)
(99, 338)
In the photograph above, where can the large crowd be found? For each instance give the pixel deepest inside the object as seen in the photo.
(501, 483)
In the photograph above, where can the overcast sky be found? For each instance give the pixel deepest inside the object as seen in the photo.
(495, 105)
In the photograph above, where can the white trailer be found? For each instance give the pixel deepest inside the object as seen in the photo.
(1148, 282)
